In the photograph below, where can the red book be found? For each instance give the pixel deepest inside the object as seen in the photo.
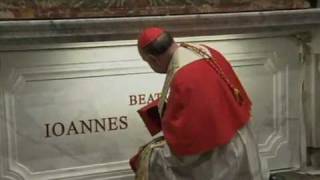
(151, 117)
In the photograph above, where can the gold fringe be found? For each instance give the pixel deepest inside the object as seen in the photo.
(145, 156)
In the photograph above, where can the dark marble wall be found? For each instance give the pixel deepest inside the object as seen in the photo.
(47, 9)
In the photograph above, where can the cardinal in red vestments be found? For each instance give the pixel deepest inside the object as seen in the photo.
(203, 113)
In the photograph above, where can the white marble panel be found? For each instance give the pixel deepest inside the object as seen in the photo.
(70, 113)
(46, 108)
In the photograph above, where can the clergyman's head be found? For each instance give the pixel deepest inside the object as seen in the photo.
(155, 47)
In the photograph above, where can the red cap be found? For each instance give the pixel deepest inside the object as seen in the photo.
(149, 35)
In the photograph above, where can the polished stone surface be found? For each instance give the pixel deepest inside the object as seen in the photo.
(50, 94)
(106, 29)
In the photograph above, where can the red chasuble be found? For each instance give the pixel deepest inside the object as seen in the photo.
(202, 112)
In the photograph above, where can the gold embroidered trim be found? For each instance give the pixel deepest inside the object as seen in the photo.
(145, 156)
(217, 68)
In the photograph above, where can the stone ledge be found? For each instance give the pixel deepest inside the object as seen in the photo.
(293, 176)
(106, 29)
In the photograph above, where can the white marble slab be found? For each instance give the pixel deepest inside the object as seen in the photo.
(49, 98)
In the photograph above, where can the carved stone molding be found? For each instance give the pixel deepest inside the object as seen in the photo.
(270, 146)
(312, 100)
(107, 29)
(264, 64)
(10, 167)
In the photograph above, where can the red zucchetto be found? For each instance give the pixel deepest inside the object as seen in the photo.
(149, 35)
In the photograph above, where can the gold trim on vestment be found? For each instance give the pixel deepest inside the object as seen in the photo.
(145, 157)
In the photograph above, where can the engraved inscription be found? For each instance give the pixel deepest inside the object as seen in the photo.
(140, 99)
(86, 126)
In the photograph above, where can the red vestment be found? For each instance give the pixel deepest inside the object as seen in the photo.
(202, 112)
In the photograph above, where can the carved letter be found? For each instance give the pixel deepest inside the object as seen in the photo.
(133, 100)
(150, 98)
(47, 130)
(142, 99)
(61, 129)
(102, 126)
(72, 127)
(113, 123)
(85, 125)
(123, 122)
(157, 95)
